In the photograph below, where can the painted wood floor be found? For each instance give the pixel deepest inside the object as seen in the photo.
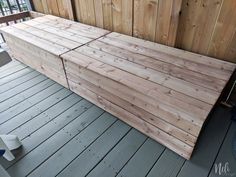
(65, 135)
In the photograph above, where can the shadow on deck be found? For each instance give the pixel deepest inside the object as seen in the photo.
(65, 135)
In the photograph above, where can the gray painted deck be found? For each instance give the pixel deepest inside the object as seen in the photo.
(65, 135)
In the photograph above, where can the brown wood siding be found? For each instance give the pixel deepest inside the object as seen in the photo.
(202, 26)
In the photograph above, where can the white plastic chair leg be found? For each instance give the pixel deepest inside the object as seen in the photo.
(8, 143)
(7, 155)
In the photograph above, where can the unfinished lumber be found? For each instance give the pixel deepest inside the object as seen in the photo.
(39, 45)
(165, 93)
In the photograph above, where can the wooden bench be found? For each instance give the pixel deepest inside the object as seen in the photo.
(164, 92)
(40, 42)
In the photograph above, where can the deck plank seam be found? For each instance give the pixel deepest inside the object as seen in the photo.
(222, 142)
(5, 68)
(53, 135)
(28, 107)
(13, 72)
(39, 114)
(131, 156)
(21, 83)
(17, 77)
(25, 99)
(164, 149)
(51, 117)
(130, 128)
(82, 45)
(73, 138)
(26, 88)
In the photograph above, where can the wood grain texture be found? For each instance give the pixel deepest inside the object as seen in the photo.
(165, 93)
(53, 110)
(40, 45)
(145, 18)
(156, 20)
(222, 39)
(205, 28)
(200, 26)
(122, 16)
(62, 8)
(38, 5)
(126, 77)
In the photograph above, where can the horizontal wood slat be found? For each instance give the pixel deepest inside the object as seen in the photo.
(158, 86)
(165, 93)
(40, 45)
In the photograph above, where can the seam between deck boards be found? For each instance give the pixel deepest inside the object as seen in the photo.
(26, 88)
(219, 148)
(74, 137)
(41, 113)
(165, 149)
(57, 115)
(53, 133)
(13, 72)
(28, 107)
(63, 64)
(101, 158)
(16, 77)
(21, 82)
(131, 156)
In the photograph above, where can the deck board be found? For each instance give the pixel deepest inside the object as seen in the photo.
(207, 149)
(225, 156)
(66, 135)
(16, 124)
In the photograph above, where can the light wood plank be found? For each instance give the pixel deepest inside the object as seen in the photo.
(36, 41)
(48, 36)
(145, 17)
(133, 97)
(107, 14)
(167, 68)
(149, 74)
(189, 60)
(99, 13)
(158, 135)
(139, 112)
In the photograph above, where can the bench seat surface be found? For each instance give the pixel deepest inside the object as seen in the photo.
(164, 92)
(40, 42)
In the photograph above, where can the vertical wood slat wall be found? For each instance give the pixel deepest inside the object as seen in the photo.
(203, 26)
(62, 8)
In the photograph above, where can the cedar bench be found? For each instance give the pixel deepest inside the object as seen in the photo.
(40, 42)
(164, 92)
